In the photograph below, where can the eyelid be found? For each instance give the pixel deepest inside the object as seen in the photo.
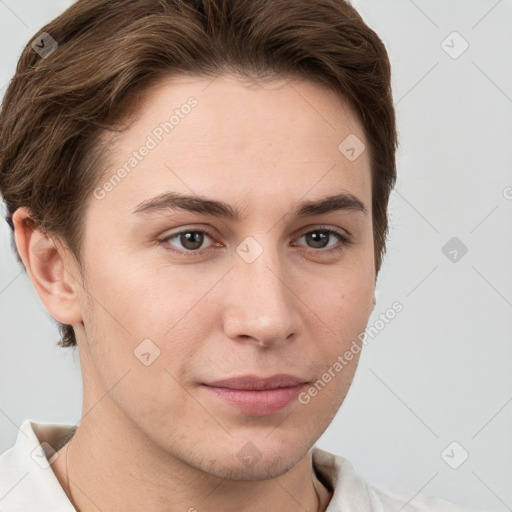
(324, 227)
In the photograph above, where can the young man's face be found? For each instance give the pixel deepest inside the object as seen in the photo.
(262, 295)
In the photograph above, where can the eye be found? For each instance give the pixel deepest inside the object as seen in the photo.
(190, 240)
(319, 238)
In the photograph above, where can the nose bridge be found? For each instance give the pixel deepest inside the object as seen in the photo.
(261, 304)
(259, 264)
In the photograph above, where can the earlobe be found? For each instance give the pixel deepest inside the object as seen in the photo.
(45, 265)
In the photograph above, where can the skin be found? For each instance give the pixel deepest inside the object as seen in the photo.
(151, 438)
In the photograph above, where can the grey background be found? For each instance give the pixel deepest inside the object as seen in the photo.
(441, 371)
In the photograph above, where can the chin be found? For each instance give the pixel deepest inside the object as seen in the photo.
(264, 468)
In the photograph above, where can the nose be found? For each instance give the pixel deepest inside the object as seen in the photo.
(261, 304)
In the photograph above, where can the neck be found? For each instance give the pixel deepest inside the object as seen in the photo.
(117, 468)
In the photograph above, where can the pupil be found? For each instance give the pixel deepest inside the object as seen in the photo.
(323, 238)
(192, 240)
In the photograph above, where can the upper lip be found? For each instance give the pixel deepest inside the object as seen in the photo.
(255, 383)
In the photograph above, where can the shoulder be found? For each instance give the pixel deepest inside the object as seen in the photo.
(351, 492)
(395, 499)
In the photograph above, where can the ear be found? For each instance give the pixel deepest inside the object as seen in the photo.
(56, 285)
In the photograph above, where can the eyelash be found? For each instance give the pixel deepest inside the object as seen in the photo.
(345, 239)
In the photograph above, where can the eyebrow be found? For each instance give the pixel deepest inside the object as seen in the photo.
(197, 204)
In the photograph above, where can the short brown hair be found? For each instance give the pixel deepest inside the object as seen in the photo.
(109, 51)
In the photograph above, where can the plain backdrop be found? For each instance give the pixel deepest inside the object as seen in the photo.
(435, 384)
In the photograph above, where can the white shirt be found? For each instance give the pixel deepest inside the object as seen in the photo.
(28, 484)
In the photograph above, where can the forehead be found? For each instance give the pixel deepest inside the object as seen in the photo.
(227, 104)
(225, 137)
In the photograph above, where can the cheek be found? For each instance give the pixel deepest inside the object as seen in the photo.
(128, 346)
(344, 314)
(132, 294)
(136, 301)
(343, 303)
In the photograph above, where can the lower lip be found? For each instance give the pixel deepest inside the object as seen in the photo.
(258, 403)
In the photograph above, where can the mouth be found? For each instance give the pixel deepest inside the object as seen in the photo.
(257, 396)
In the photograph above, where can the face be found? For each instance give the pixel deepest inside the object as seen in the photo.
(252, 284)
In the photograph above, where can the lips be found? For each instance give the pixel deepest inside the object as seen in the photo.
(257, 396)
(254, 383)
